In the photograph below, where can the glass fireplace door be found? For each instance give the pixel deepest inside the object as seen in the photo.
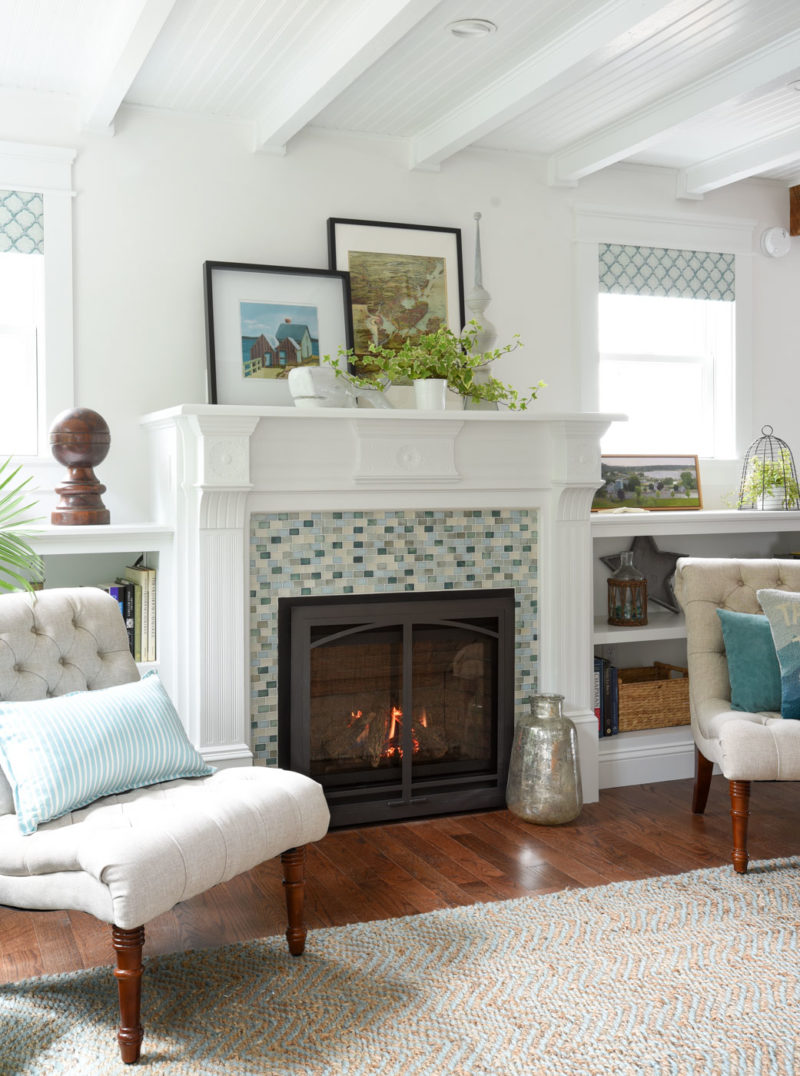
(399, 706)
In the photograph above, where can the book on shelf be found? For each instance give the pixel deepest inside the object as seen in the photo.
(597, 692)
(609, 698)
(145, 579)
(122, 591)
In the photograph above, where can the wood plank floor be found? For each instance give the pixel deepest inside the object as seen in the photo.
(375, 872)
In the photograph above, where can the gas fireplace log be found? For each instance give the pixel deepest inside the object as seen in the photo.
(432, 745)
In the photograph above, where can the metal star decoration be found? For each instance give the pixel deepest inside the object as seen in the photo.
(656, 566)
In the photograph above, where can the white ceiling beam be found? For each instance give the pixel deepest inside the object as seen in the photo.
(123, 65)
(748, 160)
(311, 88)
(520, 88)
(642, 128)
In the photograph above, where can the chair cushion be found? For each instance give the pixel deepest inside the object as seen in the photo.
(62, 753)
(783, 614)
(126, 859)
(753, 668)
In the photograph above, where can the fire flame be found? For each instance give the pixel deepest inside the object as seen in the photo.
(393, 731)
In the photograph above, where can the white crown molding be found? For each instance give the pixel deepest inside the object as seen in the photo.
(610, 224)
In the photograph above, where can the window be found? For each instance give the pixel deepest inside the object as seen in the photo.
(35, 294)
(21, 329)
(666, 350)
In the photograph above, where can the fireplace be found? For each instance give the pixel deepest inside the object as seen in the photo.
(400, 705)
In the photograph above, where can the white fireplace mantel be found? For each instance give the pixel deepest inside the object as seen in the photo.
(215, 465)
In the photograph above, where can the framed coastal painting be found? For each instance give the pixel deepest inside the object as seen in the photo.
(262, 321)
(405, 279)
(658, 483)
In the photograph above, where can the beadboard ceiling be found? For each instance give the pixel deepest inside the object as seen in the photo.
(709, 88)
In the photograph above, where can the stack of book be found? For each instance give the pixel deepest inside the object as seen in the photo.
(606, 697)
(135, 590)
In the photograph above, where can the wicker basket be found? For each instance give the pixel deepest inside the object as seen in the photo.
(654, 697)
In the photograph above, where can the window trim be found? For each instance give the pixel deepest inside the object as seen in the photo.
(596, 224)
(48, 169)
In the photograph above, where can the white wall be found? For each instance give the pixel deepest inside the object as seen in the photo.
(165, 194)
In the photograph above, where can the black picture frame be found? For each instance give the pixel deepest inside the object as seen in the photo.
(431, 255)
(230, 289)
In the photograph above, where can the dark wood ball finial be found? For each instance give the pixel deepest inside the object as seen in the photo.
(80, 440)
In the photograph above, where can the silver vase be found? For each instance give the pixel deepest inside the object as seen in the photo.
(544, 777)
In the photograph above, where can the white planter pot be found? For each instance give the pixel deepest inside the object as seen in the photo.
(431, 394)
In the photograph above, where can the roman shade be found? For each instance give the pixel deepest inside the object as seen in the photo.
(682, 274)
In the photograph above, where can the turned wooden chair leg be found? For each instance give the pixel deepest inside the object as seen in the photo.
(740, 813)
(702, 781)
(293, 862)
(128, 945)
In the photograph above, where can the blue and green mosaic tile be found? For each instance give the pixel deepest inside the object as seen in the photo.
(391, 552)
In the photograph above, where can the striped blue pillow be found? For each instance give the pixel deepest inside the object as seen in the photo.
(62, 753)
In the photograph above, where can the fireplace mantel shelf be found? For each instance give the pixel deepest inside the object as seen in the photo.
(331, 414)
(216, 467)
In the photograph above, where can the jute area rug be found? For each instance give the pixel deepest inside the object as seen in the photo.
(693, 974)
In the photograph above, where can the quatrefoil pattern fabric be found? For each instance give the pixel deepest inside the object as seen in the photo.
(21, 222)
(683, 274)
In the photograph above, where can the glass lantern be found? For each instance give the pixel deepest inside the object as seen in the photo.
(627, 594)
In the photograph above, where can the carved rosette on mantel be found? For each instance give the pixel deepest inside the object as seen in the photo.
(214, 467)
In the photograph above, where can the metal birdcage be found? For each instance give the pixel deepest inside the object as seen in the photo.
(769, 478)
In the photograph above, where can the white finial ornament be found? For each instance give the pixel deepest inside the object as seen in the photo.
(479, 298)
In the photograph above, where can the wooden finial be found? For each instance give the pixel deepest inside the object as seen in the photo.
(80, 439)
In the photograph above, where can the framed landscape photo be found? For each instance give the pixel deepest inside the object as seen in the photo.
(262, 321)
(658, 483)
(405, 279)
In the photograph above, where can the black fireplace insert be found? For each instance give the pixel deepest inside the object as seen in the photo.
(400, 705)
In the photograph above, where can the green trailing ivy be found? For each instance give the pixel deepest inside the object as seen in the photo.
(439, 354)
(20, 566)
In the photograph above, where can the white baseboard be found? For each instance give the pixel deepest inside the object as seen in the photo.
(637, 758)
(224, 755)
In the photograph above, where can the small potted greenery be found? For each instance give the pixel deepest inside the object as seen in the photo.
(442, 355)
(20, 566)
(770, 483)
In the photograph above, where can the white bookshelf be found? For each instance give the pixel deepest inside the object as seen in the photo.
(668, 754)
(77, 556)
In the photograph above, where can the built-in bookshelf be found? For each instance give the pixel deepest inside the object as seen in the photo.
(668, 753)
(96, 555)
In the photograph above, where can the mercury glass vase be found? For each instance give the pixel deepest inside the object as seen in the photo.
(544, 778)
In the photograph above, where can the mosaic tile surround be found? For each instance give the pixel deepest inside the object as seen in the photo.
(294, 554)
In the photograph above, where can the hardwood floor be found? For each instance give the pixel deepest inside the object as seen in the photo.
(375, 872)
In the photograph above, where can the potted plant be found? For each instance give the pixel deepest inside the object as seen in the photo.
(770, 483)
(444, 356)
(20, 566)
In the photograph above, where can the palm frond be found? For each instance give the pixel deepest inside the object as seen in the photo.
(19, 564)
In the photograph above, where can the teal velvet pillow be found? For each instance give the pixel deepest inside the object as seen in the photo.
(783, 613)
(63, 753)
(753, 667)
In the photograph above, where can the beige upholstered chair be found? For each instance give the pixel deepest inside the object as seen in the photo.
(129, 857)
(746, 746)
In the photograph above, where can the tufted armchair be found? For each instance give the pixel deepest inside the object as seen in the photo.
(746, 746)
(129, 857)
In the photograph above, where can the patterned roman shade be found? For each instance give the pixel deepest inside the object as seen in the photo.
(682, 274)
(21, 222)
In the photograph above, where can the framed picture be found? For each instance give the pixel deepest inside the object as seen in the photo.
(263, 321)
(405, 279)
(658, 483)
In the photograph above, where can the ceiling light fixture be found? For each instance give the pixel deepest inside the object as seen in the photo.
(471, 28)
